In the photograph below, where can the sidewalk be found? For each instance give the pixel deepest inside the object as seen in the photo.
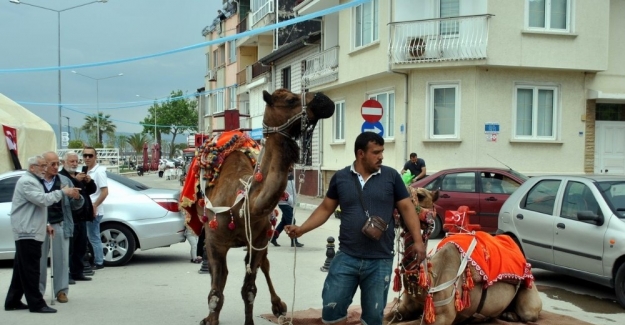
(308, 202)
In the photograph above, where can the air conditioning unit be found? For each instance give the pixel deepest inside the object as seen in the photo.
(416, 47)
(211, 75)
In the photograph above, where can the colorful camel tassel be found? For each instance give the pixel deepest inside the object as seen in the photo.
(270, 233)
(458, 303)
(466, 296)
(258, 177)
(423, 278)
(469, 279)
(231, 225)
(429, 313)
(213, 223)
(397, 281)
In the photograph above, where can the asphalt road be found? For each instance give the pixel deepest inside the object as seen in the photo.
(161, 286)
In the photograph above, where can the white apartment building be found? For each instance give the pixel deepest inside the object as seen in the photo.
(536, 84)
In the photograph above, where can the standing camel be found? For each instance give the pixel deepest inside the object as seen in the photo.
(234, 196)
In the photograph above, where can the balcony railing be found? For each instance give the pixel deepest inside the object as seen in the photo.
(322, 68)
(259, 69)
(242, 77)
(263, 11)
(442, 39)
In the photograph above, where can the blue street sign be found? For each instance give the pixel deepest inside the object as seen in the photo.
(375, 127)
(490, 128)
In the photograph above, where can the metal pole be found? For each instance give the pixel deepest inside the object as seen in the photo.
(58, 14)
(97, 100)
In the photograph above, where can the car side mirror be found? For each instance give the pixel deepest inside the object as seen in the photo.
(590, 217)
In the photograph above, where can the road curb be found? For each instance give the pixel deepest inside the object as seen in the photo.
(306, 206)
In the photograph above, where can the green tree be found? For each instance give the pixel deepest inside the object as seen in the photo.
(121, 142)
(136, 142)
(106, 126)
(174, 116)
(77, 133)
(75, 144)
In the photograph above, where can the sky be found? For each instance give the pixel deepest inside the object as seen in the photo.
(100, 32)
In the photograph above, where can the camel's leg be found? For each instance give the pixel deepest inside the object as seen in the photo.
(408, 309)
(526, 306)
(219, 275)
(278, 307)
(249, 289)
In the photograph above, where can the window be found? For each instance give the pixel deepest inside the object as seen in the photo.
(232, 52)
(535, 114)
(541, 198)
(548, 14)
(459, 182)
(7, 187)
(232, 90)
(208, 63)
(497, 183)
(366, 23)
(578, 198)
(220, 103)
(449, 8)
(444, 111)
(286, 78)
(339, 122)
(387, 99)
(219, 56)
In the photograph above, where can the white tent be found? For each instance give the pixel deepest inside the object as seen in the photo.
(34, 135)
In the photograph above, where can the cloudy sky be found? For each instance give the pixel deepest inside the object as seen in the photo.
(100, 32)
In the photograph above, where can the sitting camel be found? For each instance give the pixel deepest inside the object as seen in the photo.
(471, 278)
(232, 196)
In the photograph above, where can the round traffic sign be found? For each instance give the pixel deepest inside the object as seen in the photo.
(371, 110)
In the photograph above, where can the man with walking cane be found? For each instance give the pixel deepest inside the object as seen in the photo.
(28, 220)
(60, 218)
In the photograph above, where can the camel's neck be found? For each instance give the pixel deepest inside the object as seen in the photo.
(274, 165)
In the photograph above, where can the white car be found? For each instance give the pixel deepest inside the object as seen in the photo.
(136, 216)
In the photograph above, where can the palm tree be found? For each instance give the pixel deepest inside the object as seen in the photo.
(136, 141)
(77, 133)
(121, 143)
(106, 126)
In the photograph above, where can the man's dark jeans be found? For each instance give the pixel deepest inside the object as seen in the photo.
(77, 249)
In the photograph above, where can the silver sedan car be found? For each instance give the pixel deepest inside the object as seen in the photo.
(136, 216)
(573, 225)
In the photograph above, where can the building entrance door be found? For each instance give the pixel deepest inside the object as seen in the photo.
(610, 147)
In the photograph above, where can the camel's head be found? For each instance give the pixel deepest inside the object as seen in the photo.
(422, 197)
(284, 112)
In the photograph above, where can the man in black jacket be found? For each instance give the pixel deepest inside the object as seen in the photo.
(78, 244)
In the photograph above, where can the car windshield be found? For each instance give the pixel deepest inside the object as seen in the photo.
(127, 182)
(614, 194)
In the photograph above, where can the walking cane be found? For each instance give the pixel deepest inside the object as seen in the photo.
(51, 272)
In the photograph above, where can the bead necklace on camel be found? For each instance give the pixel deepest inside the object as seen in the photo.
(240, 200)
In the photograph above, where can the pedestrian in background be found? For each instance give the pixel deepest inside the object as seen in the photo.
(416, 166)
(78, 244)
(61, 220)
(29, 214)
(98, 175)
(364, 190)
(286, 204)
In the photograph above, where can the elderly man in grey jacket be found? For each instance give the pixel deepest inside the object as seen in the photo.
(28, 219)
(60, 218)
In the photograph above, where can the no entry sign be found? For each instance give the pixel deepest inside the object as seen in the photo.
(371, 110)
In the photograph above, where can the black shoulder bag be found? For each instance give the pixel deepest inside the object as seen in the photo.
(375, 226)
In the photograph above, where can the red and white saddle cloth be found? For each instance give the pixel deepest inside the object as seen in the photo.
(494, 257)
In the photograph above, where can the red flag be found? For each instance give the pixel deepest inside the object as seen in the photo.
(10, 135)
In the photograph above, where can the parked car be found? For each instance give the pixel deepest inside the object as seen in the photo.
(136, 216)
(167, 163)
(574, 225)
(482, 189)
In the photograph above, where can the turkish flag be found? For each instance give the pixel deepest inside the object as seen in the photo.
(10, 135)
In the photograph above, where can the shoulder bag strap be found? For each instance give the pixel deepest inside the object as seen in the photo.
(359, 188)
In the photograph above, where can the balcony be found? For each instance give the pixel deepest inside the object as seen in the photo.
(322, 68)
(242, 26)
(242, 77)
(264, 10)
(259, 69)
(442, 39)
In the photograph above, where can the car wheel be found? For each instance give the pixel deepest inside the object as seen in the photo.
(118, 243)
(619, 285)
(438, 227)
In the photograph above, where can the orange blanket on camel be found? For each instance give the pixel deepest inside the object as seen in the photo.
(494, 257)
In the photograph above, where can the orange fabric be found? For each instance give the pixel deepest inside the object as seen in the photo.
(188, 197)
(494, 257)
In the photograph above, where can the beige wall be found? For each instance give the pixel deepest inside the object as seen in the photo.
(586, 48)
(486, 96)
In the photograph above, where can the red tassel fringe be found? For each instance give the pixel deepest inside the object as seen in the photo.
(429, 313)
(397, 281)
(469, 279)
(458, 303)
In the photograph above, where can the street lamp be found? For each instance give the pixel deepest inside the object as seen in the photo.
(97, 90)
(67, 125)
(58, 13)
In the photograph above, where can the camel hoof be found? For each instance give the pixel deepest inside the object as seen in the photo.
(279, 309)
(207, 322)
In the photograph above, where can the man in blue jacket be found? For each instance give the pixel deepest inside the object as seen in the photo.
(29, 215)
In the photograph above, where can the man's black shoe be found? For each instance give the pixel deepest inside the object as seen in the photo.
(71, 281)
(82, 278)
(44, 310)
(88, 272)
(98, 267)
(20, 306)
